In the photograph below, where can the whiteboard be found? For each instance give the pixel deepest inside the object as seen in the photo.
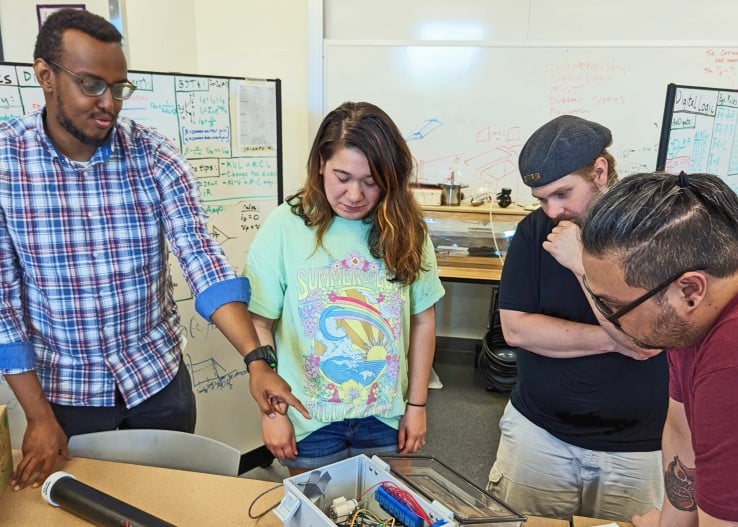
(700, 132)
(229, 129)
(470, 106)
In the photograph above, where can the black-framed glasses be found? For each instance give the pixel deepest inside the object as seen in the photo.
(94, 86)
(613, 316)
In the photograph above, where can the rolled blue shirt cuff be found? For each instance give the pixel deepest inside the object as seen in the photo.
(232, 290)
(17, 357)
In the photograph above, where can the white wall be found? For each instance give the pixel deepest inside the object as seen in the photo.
(541, 20)
(162, 36)
(20, 24)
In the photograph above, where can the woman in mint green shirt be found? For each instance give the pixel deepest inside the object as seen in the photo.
(344, 283)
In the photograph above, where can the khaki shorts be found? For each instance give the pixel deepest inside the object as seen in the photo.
(536, 473)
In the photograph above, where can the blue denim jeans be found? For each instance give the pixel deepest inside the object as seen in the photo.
(344, 439)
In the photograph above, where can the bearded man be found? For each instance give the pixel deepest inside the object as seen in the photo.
(582, 431)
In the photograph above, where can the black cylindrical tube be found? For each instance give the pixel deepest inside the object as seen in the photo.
(63, 490)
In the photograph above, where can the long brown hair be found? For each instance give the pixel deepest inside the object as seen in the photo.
(397, 231)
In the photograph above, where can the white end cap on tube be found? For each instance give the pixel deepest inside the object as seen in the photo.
(49, 484)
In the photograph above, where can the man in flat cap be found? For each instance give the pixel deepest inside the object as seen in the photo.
(581, 433)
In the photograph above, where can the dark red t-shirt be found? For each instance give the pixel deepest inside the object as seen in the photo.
(705, 379)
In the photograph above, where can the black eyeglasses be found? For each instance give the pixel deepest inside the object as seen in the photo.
(612, 316)
(94, 86)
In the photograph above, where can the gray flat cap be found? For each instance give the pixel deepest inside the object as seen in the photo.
(560, 147)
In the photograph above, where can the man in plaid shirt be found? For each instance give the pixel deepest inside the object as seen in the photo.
(90, 336)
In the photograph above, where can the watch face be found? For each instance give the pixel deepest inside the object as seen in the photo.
(270, 357)
(265, 353)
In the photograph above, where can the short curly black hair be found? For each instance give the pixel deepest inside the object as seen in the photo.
(49, 40)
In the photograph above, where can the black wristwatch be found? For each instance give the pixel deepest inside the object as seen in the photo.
(265, 353)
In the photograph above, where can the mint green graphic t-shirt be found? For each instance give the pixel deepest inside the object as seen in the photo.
(342, 331)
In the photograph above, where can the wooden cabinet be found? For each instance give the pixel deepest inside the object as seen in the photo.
(471, 241)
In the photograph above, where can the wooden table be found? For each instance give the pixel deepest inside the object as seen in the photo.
(179, 497)
(472, 269)
(535, 521)
(581, 521)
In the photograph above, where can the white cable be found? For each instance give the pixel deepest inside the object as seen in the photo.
(494, 238)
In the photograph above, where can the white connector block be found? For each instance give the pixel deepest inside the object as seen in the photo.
(342, 509)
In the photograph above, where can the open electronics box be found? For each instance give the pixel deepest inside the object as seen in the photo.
(330, 495)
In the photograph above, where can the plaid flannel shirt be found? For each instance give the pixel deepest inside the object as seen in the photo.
(86, 296)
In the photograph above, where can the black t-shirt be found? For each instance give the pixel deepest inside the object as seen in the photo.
(606, 402)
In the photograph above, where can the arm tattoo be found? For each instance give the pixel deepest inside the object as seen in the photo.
(679, 485)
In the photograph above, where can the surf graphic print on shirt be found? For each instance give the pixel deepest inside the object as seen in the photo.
(352, 317)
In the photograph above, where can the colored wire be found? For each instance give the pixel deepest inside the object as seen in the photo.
(407, 499)
(363, 494)
(363, 512)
